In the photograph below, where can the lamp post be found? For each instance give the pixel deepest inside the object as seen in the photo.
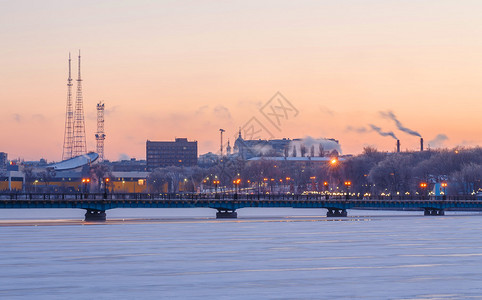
(444, 185)
(85, 181)
(216, 182)
(236, 183)
(423, 186)
(326, 189)
(106, 181)
(347, 185)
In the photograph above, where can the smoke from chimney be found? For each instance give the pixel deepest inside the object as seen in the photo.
(391, 116)
(382, 133)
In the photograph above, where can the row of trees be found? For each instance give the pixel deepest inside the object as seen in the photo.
(371, 172)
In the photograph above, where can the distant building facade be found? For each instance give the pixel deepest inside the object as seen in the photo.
(131, 165)
(3, 160)
(180, 153)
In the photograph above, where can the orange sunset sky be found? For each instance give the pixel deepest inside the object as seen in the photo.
(169, 69)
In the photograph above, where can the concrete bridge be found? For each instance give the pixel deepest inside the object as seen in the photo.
(226, 205)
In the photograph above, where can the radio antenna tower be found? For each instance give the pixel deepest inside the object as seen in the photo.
(100, 136)
(69, 120)
(79, 144)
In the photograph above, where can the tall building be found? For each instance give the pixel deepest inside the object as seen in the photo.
(180, 153)
(3, 160)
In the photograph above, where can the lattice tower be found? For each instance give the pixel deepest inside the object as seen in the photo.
(100, 136)
(69, 120)
(79, 143)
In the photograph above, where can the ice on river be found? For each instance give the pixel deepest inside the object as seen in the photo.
(264, 254)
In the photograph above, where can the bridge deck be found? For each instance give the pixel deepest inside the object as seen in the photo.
(104, 202)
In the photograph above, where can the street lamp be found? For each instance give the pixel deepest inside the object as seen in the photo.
(85, 181)
(347, 184)
(423, 186)
(215, 182)
(236, 183)
(106, 181)
(444, 185)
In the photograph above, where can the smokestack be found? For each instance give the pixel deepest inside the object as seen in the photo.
(398, 146)
(421, 144)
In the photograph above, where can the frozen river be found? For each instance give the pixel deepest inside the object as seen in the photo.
(264, 254)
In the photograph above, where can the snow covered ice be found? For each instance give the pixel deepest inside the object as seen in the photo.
(264, 254)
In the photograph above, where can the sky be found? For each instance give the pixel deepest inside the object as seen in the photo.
(168, 69)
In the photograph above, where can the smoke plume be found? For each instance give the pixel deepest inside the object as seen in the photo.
(308, 142)
(391, 116)
(383, 133)
(262, 149)
(357, 129)
(438, 141)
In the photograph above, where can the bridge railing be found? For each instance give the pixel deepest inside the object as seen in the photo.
(221, 197)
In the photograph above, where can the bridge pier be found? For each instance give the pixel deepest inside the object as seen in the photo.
(226, 214)
(336, 212)
(433, 212)
(94, 215)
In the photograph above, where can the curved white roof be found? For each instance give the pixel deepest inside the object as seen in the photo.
(75, 162)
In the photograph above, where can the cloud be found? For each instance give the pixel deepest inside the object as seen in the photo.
(110, 110)
(325, 110)
(17, 118)
(245, 103)
(222, 112)
(38, 117)
(201, 110)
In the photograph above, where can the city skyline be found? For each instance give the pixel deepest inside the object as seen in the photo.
(168, 70)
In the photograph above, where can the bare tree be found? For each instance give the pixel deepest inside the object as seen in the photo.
(98, 173)
(157, 179)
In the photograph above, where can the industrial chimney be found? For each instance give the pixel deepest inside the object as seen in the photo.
(398, 146)
(421, 144)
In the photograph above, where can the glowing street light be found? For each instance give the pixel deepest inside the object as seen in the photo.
(215, 182)
(423, 186)
(106, 182)
(236, 183)
(444, 185)
(347, 184)
(85, 181)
